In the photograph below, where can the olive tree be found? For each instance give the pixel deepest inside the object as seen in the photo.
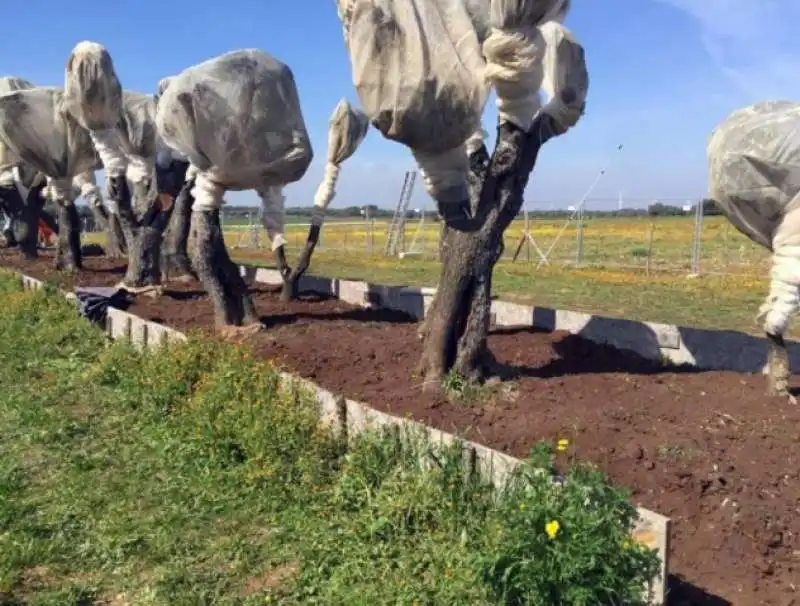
(423, 70)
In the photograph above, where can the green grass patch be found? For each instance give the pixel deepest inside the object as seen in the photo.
(189, 476)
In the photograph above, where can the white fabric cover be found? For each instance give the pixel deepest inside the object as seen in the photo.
(7, 160)
(92, 91)
(418, 71)
(754, 167)
(237, 118)
(35, 128)
(273, 214)
(347, 128)
(85, 186)
(754, 177)
(514, 51)
(565, 79)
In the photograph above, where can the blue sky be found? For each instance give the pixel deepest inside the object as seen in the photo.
(663, 74)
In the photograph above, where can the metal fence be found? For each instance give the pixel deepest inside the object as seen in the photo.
(690, 242)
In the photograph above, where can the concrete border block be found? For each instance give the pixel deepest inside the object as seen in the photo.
(512, 314)
(353, 292)
(653, 530)
(360, 417)
(332, 410)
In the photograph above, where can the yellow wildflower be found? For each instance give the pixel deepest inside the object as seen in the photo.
(562, 445)
(552, 528)
(522, 506)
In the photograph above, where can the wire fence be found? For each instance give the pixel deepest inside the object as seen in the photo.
(686, 242)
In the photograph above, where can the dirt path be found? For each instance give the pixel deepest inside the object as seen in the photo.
(707, 449)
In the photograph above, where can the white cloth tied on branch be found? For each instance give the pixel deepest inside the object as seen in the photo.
(85, 186)
(565, 76)
(273, 214)
(754, 176)
(36, 128)
(93, 96)
(347, 128)
(237, 119)
(514, 52)
(418, 71)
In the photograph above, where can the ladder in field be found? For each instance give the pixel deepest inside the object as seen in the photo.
(398, 224)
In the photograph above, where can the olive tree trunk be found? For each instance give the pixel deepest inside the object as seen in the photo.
(233, 306)
(142, 233)
(291, 278)
(456, 328)
(25, 215)
(175, 249)
(68, 253)
(115, 238)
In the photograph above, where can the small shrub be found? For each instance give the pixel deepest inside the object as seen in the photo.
(566, 543)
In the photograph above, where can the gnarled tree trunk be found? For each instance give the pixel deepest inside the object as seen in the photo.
(25, 216)
(143, 234)
(115, 238)
(456, 328)
(176, 238)
(291, 278)
(68, 253)
(233, 305)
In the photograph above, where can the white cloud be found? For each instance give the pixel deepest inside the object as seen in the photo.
(753, 42)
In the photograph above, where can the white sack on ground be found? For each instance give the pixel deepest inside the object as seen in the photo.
(93, 96)
(418, 70)
(36, 128)
(514, 51)
(566, 78)
(7, 160)
(347, 128)
(237, 118)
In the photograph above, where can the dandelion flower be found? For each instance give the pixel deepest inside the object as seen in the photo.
(552, 528)
(562, 445)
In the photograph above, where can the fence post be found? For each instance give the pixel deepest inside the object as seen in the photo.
(696, 240)
(650, 234)
(579, 237)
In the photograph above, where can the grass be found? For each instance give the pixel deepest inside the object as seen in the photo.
(718, 302)
(187, 476)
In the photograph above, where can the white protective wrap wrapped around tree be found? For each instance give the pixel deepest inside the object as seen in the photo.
(237, 118)
(139, 140)
(7, 160)
(93, 95)
(85, 186)
(754, 176)
(36, 128)
(418, 71)
(565, 76)
(347, 128)
(514, 51)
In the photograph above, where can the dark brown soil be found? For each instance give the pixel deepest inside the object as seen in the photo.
(707, 449)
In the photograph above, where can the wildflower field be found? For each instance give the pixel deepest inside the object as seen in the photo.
(725, 299)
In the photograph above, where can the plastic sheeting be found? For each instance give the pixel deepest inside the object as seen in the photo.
(7, 159)
(85, 186)
(514, 52)
(92, 91)
(754, 167)
(565, 79)
(139, 137)
(418, 70)
(237, 118)
(36, 128)
(347, 128)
